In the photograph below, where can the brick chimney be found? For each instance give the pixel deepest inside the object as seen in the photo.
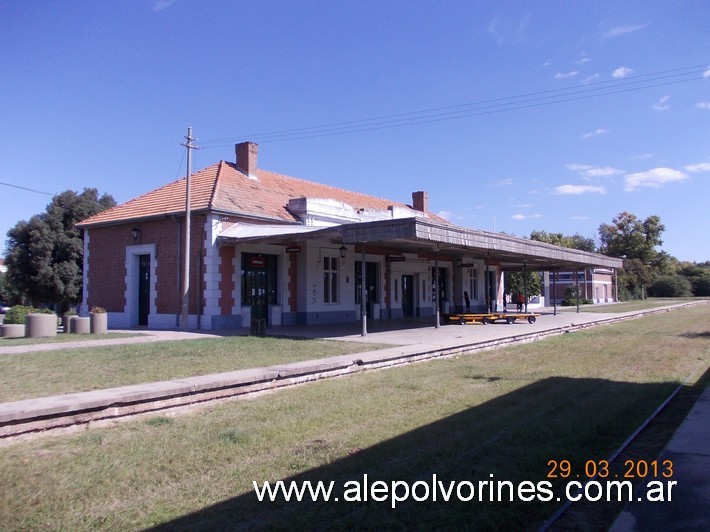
(246, 158)
(420, 201)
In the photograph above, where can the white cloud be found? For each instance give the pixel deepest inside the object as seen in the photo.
(580, 218)
(655, 178)
(525, 216)
(588, 171)
(595, 133)
(621, 72)
(662, 104)
(644, 156)
(703, 105)
(504, 182)
(583, 58)
(579, 167)
(622, 30)
(590, 79)
(565, 75)
(602, 171)
(700, 167)
(159, 5)
(445, 214)
(706, 74)
(508, 31)
(565, 190)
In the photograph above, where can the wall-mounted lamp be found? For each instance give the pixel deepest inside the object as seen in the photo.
(135, 233)
(343, 250)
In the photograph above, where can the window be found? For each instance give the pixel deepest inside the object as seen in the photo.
(330, 280)
(473, 283)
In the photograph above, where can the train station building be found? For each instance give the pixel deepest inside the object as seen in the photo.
(286, 251)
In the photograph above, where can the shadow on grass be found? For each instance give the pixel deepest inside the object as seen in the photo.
(705, 334)
(510, 438)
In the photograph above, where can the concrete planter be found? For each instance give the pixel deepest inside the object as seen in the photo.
(12, 330)
(99, 323)
(40, 325)
(65, 321)
(79, 325)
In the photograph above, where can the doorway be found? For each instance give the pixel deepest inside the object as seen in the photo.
(143, 289)
(407, 295)
(259, 284)
(371, 288)
(440, 293)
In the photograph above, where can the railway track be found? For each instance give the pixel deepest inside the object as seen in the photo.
(646, 442)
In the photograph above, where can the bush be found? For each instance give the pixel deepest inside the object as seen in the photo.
(571, 295)
(17, 314)
(700, 283)
(671, 286)
(573, 302)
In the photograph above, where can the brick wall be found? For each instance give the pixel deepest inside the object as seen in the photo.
(106, 275)
(107, 257)
(226, 284)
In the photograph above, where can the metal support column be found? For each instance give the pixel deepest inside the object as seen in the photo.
(437, 289)
(363, 292)
(554, 292)
(525, 283)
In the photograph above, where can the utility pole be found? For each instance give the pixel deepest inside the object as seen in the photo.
(185, 282)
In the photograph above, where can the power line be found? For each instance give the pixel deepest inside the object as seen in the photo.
(28, 189)
(482, 107)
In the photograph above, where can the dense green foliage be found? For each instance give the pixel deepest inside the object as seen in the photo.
(572, 297)
(558, 239)
(17, 314)
(699, 277)
(635, 241)
(44, 255)
(516, 283)
(646, 268)
(671, 286)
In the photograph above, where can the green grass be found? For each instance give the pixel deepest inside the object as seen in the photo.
(64, 338)
(504, 412)
(629, 306)
(39, 374)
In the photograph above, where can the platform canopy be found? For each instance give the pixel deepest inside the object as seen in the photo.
(418, 235)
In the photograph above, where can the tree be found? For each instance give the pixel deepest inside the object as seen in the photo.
(5, 294)
(575, 241)
(44, 255)
(628, 237)
(635, 241)
(515, 283)
(699, 277)
(671, 286)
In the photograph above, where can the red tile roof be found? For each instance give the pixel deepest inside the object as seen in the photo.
(224, 189)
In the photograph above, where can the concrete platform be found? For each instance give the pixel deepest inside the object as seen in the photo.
(412, 341)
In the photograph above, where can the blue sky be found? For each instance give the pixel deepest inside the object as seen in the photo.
(514, 116)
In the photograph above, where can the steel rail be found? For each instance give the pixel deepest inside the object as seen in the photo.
(562, 509)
